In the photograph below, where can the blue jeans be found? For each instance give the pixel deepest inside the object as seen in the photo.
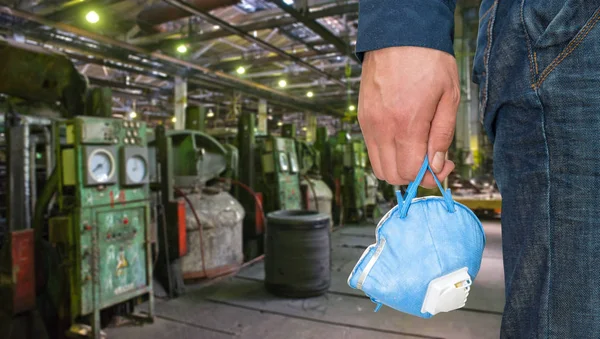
(538, 66)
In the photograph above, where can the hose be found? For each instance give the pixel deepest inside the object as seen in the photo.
(50, 188)
(314, 192)
(185, 197)
(252, 193)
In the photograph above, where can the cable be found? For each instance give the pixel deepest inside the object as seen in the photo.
(185, 197)
(252, 193)
(314, 192)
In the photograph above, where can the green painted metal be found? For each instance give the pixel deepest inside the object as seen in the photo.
(278, 176)
(103, 228)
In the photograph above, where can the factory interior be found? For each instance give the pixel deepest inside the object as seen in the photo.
(195, 169)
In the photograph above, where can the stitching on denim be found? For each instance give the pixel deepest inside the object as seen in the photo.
(536, 63)
(528, 43)
(488, 11)
(548, 209)
(583, 33)
(486, 56)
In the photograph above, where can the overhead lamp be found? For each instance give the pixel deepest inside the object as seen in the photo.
(92, 17)
(210, 114)
(309, 94)
(304, 129)
(132, 115)
(240, 70)
(280, 124)
(216, 27)
(174, 119)
(351, 108)
(282, 83)
(270, 117)
(288, 2)
(182, 48)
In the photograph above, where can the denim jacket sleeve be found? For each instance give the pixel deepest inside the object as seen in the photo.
(390, 23)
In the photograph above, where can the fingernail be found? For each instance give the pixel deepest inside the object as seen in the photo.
(438, 161)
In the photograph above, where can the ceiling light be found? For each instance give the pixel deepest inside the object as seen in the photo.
(280, 124)
(309, 94)
(289, 2)
(132, 115)
(304, 129)
(210, 114)
(240, 70)
(174, 119)
(351, 108)
(92, 17)
(216, 27)
(181, 48)
(282, 83)
(270, 117)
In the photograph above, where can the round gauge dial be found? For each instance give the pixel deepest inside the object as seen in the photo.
(136, 169)
(100, 165)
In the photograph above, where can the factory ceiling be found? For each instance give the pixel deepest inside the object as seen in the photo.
(299, 55)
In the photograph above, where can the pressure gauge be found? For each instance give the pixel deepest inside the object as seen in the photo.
(134, 165)
(100, 166)
(136, 169)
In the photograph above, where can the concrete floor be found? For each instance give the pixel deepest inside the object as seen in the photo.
(239, 307)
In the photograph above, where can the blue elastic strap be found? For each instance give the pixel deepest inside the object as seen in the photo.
(377, 303)
(411, 192)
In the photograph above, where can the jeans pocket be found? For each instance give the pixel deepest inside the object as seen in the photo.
(557, 22)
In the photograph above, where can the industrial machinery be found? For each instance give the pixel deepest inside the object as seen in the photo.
(203, 237)
(101, 232)
(77, 239)
(343, 162)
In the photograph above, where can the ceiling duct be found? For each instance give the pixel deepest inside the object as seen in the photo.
(151, 17)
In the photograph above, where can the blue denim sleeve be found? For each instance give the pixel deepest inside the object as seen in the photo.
(390, 23)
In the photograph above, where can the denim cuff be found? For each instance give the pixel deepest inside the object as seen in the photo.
(392, 23)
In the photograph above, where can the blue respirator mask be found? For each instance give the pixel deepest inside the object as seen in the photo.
(427, 254)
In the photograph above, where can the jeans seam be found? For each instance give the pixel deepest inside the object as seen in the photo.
(529, 47)
(488, 11)
(572, 46)
(549, 221)
(486, 59)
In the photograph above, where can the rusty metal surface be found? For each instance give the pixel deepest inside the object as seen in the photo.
(20, 276)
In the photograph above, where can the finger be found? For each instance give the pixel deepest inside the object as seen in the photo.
(387, 158)
(373, 152)
(429, 182)
(441, 132)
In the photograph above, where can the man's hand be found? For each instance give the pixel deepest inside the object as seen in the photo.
(407, 108)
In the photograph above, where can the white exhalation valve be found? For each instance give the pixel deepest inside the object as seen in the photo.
(447, 293)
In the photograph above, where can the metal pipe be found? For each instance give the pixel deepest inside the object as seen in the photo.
(26, 178)
(162, 12)
(50, 188)
(249, 87)
(216, 21)
(32, 169)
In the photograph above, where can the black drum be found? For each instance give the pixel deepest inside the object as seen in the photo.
(297, 253)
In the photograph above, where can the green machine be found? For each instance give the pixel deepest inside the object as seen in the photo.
(278, 178)
(101, 232)
(343, 164)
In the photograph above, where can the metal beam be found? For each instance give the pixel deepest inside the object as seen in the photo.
(249, 87)
(226, 26)
(255, 26)
(323, 32)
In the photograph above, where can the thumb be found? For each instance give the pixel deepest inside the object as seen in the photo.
(441, 132)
